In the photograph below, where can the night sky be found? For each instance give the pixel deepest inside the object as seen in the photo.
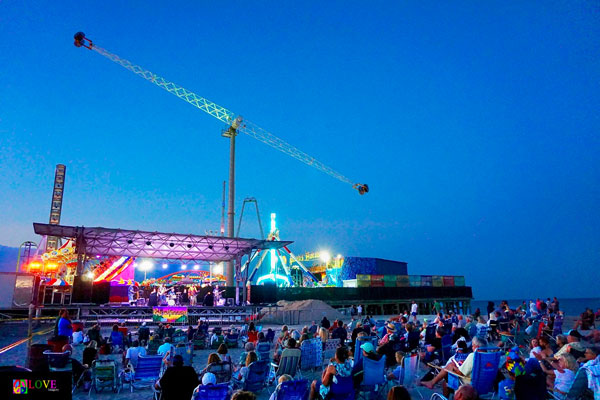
(475, 125)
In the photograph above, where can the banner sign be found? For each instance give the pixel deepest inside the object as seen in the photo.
(169, 314)
(33, 385)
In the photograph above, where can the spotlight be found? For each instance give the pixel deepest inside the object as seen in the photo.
(148, 243)
(89, 275)
(210, 246)
(129, 241)
(226, 248)
(171, 244)
(196, 267)
(325, 257)
(183, 266)
(164, 266)
(189, 246)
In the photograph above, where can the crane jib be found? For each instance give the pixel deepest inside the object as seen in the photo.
(237, 124)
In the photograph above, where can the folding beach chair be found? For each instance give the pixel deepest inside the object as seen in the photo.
(293, 390)
(231, 340)
(358, 351)
(186, 351)
(219, 340)
(343, 389)
(446, 352)
(485, 369)
(410, 370)
(312, 354)
(437, 396)
(211, 392)
(58, 361)
(288, 363)
(331, 346)
(374, 380)
(263, 351)
(222, 370)
(146, 372)
(258, 375)
(104, 375)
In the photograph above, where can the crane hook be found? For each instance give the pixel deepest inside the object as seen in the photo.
(82, 41)
(361, 187)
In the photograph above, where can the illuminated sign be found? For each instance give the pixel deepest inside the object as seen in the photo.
(169, 314)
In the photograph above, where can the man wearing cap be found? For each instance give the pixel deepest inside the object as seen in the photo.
(573, 345)
(368, 351)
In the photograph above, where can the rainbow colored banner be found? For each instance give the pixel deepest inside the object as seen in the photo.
(169, 314)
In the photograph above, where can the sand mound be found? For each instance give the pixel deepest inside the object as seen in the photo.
(299, 312)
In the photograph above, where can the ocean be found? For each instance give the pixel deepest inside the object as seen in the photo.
(571, 307)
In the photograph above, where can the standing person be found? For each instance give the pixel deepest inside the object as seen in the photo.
(153, 298)
(414, 310)
(60, 314)
(64, 325)
(144, 333)
(325, 323)
(209, 299)
(131, 294)
(359, 310)
(192, 295)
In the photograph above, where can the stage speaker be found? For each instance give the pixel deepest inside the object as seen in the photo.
(82, 290)
(101, 292)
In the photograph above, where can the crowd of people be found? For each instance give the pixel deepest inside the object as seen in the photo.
(531, 340)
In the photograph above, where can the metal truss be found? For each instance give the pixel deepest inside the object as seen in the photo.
(120, 242)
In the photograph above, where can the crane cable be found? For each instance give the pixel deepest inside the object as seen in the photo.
(237, 124)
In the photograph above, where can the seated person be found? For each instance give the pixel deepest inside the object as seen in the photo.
(434, 349)
(560, 377)
(213, 358)
(136, 350)
(144, 333)
(178, 382)
(248, 347)
(282, 378)
(339, 367)
(242, 373)
(464, 371)
(398, 373)
(94, 334)
(340, 333)
(368, 351)
(223, 353)
(116, 339)
(77, 367)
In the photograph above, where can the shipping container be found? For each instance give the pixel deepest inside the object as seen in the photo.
(377, 283)
(414, 280)
(459, 281)
(437, 281)
(362, 277)
(448, 281)
(363, 283)
(391, 278)
(389, 283)
(376, 278)
(426, 280)
(402, 281)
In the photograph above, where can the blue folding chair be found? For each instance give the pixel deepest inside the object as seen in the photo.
(293, 390)
(211, 392)
(430, 333)
(258, 375)
(146, 373)
(222, 370)
(446, 348)
(358, 351)
(374, 379)
(231, 340)
(343, 389)
(485, 370)
(263, 350)
(311, 354)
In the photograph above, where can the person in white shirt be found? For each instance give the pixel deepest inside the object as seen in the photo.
(131, 357)
(359, 310)
(413, 310)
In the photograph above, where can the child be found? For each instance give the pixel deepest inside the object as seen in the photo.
(515, 367)
(282, 378)
(398, 373)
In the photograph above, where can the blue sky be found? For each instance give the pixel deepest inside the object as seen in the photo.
(476, 127)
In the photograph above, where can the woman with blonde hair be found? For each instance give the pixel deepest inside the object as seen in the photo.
(323, 335)
(561, 377)
(243, 373)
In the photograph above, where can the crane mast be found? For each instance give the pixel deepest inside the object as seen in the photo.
(236, 123)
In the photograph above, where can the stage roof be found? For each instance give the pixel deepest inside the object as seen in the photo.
(167, 246)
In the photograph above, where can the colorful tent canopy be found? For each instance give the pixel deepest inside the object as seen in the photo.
(55, 282)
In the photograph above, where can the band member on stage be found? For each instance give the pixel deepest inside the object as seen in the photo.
(153, 298)
(131, 293)
(192, 295)
(209, 300)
